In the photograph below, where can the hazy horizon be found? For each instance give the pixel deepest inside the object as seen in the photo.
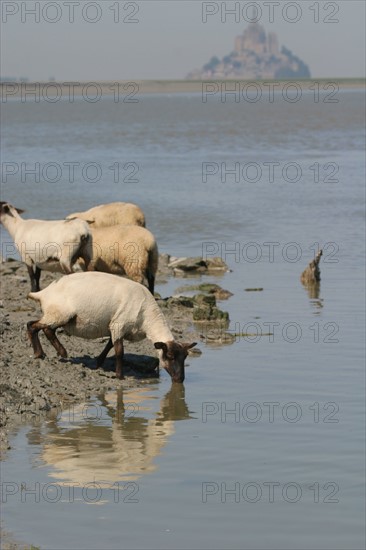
(157, 40)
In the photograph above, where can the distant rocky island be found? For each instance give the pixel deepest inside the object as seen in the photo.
(257, 56)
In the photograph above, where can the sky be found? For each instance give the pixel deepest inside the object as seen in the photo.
(147, 39)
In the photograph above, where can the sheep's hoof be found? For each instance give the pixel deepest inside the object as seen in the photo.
(40, 355)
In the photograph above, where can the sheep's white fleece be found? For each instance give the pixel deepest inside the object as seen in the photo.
(92, 305)
(50, 245)
(113, 213)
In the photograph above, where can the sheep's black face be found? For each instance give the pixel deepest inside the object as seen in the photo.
(5, 209)
(172, 357)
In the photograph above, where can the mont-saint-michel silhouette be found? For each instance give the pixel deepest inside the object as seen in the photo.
(256, 55)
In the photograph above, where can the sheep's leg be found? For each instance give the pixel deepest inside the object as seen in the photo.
(151, 282)
(87, 259)
(34, 277)
(118, 348)
(33, 328)
(37, 276)
(51, 337)
(101, 358)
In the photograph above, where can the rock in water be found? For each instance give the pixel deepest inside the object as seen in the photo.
(311, 274)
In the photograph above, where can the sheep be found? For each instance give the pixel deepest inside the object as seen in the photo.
(93, 305)
(125, 250)
(49, 245)
(113, 213)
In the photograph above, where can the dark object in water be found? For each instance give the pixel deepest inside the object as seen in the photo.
(253, 289)
(311, 274)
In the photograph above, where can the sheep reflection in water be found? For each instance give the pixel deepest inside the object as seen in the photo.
(122, 449)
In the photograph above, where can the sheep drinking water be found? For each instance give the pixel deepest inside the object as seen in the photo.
(92, 305)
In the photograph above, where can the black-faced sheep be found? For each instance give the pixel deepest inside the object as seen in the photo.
(93, 305)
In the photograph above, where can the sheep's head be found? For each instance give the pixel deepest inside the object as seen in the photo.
(172, 357)
(7, 209)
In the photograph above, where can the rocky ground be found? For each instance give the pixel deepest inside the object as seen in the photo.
(34, 388)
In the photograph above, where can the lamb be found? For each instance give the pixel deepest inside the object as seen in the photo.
(114, 213)
(49, 245)
(93, 305)
(125, 250)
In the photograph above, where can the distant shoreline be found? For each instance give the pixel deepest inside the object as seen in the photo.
(129, 90)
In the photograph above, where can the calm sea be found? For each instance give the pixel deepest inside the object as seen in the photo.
(265, 447)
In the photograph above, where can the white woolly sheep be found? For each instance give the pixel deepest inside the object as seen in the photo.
(125, 250)
(93, 305)
(114, 213)
(49, 245)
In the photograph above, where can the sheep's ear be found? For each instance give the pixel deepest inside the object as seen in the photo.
(90, 221)
(161, 345)
(19, 210)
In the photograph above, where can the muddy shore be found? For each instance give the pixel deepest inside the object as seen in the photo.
(32, 389)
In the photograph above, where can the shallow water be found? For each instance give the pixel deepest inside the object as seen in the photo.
(265, 447)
